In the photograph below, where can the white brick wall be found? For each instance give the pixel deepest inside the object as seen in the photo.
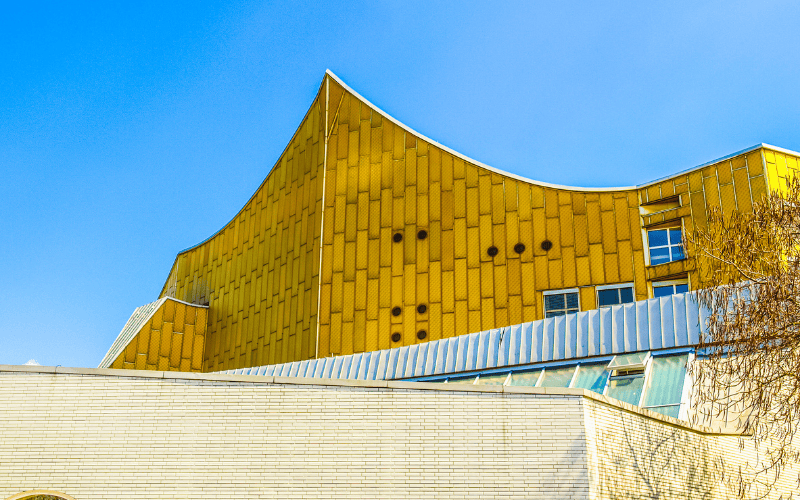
(95, 434)
(101, 437)
(632, 457)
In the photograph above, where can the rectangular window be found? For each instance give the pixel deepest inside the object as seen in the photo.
(627, 388)
(560, 302)
(525, 379)
(627, 376)
(665, 385)
(494, 379)
(591, 377)
(669, 288)
(611, 295)
(665, 245)
(557, 377)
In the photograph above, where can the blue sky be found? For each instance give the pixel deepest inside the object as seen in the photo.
(128, 133)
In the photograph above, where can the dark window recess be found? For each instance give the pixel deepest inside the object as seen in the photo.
(492, 251)
(422, 234)
(519, 248)
(395, 337)
(614, 296)
(422, 308)
(422, 334)
(398, 237)
(396, 311)
(547, 245)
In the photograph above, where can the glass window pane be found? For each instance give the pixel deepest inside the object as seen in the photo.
(591, 377)
(665, 385)
(659, 255)
(625, 295)
(675, 236)
(628, 389)
(681, 288)
(557, 377)
(494, 379)
(670, 411)
(572, 301)
(527, 379)
(657, 238)
(554, 302)
(677, 252)
(662, 291)
(551, 314)
(634, 358)
(607, 297)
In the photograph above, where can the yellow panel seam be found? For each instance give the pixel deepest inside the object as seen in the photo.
(322, 213)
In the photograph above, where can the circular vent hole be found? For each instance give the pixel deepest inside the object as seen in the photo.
(398, 237)
(395, 337)
(422, 308)
(547, 245)
(422, 334)
(519, 248)
(396, 311)
(492, 251)
(422, 234)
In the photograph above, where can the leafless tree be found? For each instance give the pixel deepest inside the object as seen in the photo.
(749, 370)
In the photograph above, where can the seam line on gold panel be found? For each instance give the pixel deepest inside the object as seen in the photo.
(765, 172)
(322, 212)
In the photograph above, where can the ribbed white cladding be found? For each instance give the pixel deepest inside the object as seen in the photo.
(661, 323)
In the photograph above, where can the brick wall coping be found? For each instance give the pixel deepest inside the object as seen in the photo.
(385, 384)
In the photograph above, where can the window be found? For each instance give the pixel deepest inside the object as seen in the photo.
(611, 295)
(591, 377)
(557, 377)
(525, 379)
(627, 376)
(665, 385)
(493, 379)
(665, 288)
(560, 302)
(665, 245)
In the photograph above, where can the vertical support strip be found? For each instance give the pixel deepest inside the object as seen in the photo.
(322, 215)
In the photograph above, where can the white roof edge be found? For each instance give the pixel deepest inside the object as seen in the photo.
(467, 158)
(183, 302)
(547, 184)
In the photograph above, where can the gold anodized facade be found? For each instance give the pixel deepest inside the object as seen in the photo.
(366, 235)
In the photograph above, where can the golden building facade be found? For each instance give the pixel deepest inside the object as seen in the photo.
(366, 235)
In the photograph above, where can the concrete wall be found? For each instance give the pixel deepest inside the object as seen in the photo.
(100, 434)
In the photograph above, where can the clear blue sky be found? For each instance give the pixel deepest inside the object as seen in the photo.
(130, 133)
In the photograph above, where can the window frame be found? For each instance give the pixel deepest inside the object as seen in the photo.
(562, 291)
(615, 286)
(678, 224)
(672, 283)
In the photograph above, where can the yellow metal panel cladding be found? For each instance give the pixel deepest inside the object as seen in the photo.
(407, 224)
(275, 237)
(159, 344)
